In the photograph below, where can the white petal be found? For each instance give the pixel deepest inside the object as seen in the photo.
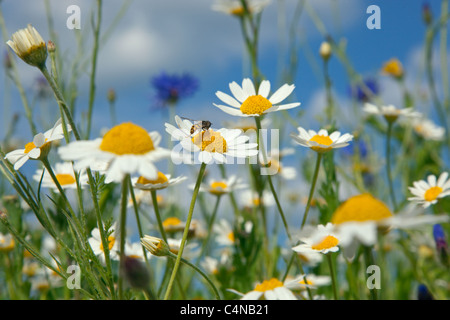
(282, 93)
(228, 99)
(237, 92)
(264, 88)
(232, 111)
(248, 87)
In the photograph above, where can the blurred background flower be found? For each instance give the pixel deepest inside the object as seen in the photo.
(170, 88)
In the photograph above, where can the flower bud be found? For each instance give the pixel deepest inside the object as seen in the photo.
(155, 246)
(427, 16)
(325, 50)
(51, 46)
(423, 293)
(29, 46)
(136, 273)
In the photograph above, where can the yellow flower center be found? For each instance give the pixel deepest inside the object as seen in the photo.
(327, 243)
(111, 241)
(323, 140)
(210, 141)
(308, 282)
(230, 236)
(268, 285)
(256, 201)
(255, 105)
(432, 193)
(171, 221)
(393, 67)
(218, 187)
(361, 208)
(159, 180)
(7, 246)
(30, 146)
(238, 11)
(127, 138)
(65, 179)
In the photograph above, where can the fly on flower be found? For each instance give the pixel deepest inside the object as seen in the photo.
(203, 125)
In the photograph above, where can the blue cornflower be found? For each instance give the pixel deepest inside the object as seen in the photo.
(362, 95)
(423, 293)
(170, 88)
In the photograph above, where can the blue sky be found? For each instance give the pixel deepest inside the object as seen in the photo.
(187, 36)
(178, 36)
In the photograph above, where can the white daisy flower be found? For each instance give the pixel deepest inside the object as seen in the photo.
(127, 148)
(163, 181)
(272, 289)
(223, 186)
(39, 147)
(7, 242)
(95, 241)
(173, 224)
(250, 198)
(29, 46)
(389, 112)
(275, 165)
(134, 250)
(429, 192)
(190, 250)
(322, 240)
(64, 174)
(248, 103)
(321, 141)
(211, 265)
(234, 7)
(225, 233)
(312, 281)
(211, 145)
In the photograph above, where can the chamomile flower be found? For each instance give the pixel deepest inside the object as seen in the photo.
(393, 67)
(249, 103)
(28, 44)
(321, 240)
(275, 165)
(163, 181)
(95, 241)
(211, 145)
(250, 198)
(272, 289)
(234, 7)
(38, 148)
(64, 174)
(7, 242)
(312, 281)
(390, 112)
(127, 148)
(321, 141)
(225, 233)
(134, 250)
(429, 192)
(222, 186)
(173, 224)
(427, 129)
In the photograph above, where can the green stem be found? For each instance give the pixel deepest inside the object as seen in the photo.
(186, 231)
(61, 102)
(313, 186)
(123, 231)
(388, 165)
(333, 276)
(269, 178)
(213, 287)
(92, 85)
(210, 227)
(158, 216)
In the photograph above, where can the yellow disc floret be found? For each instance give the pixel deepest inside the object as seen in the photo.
(210, 141)
(65, 179)
(268, 285)
(127, 138)
(322, 140)
(326, 243)
(361, 208)
(111, 241)
(432, 193)
(159, 180)
(255, 105)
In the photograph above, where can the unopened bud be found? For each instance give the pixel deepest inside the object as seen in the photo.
(51, 46)
(441, 243)
(325, 50)
(136, 273)
(155, 246)
(427, 15)
(111, 95)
